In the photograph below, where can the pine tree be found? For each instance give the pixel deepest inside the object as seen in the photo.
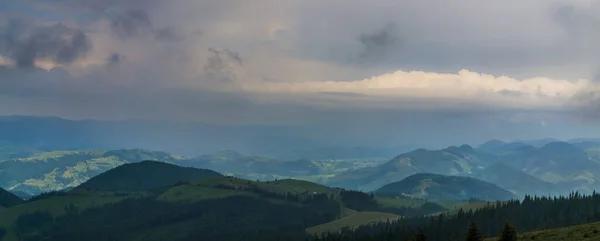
(421, 236)
(508, 233)
(473, 233)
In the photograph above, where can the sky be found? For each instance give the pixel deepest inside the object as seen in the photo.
(381, 72)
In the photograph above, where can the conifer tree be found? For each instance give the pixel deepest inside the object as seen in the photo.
(473, 233)
(508, 233)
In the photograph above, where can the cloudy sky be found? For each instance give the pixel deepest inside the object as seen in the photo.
(444, 71)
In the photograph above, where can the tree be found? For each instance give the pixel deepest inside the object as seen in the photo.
(508, 233)
(473, 233)
(421, 236)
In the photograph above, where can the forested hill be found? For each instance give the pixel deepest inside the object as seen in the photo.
(442, 187)
(145, 175)
(533, 213)
(8, 199)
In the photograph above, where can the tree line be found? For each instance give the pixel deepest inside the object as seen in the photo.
(533, 213)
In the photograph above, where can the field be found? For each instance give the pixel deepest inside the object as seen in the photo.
(351, 221)
(585, 232)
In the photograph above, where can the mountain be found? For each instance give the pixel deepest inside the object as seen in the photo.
(210, 208)
(59, 170)
(515, 180)
(450, 161)
(555, 162)
(556, 167)
(144, 176)
(8, 199)
(441, 187)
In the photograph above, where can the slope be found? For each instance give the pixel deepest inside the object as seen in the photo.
(143, 176)
(440, 187)
(8, 199)
(557, 162)
(514, 180)
(450, 161)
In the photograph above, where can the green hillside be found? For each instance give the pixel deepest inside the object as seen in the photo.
(8, 199)
(59, 170)
(440, 187)
(156, 201)
(144, 176)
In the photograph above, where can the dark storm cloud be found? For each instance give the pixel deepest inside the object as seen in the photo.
(59, 43)
(222, 65)
(131, 23)
(377, 45)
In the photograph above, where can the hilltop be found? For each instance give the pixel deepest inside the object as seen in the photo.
(144, 176)
(440, 187)
(450, 161)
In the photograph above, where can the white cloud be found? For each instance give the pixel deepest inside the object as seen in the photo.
(435, 90)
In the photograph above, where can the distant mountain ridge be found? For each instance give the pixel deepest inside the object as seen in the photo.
(554, 167)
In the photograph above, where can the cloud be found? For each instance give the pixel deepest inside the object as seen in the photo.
(378, 45)
(223, 65)
(57, 43)
(353, 63)
(131, 23)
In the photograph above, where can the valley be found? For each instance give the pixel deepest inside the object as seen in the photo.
(341, 192)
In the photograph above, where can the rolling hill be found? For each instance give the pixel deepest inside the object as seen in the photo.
(144, 176)
(515, 180)
(450, 161)
(152, 200)
(440, 187)
(8, 199)
(555, 167)
(57, 170)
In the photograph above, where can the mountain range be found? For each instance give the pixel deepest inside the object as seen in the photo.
(555, 167)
